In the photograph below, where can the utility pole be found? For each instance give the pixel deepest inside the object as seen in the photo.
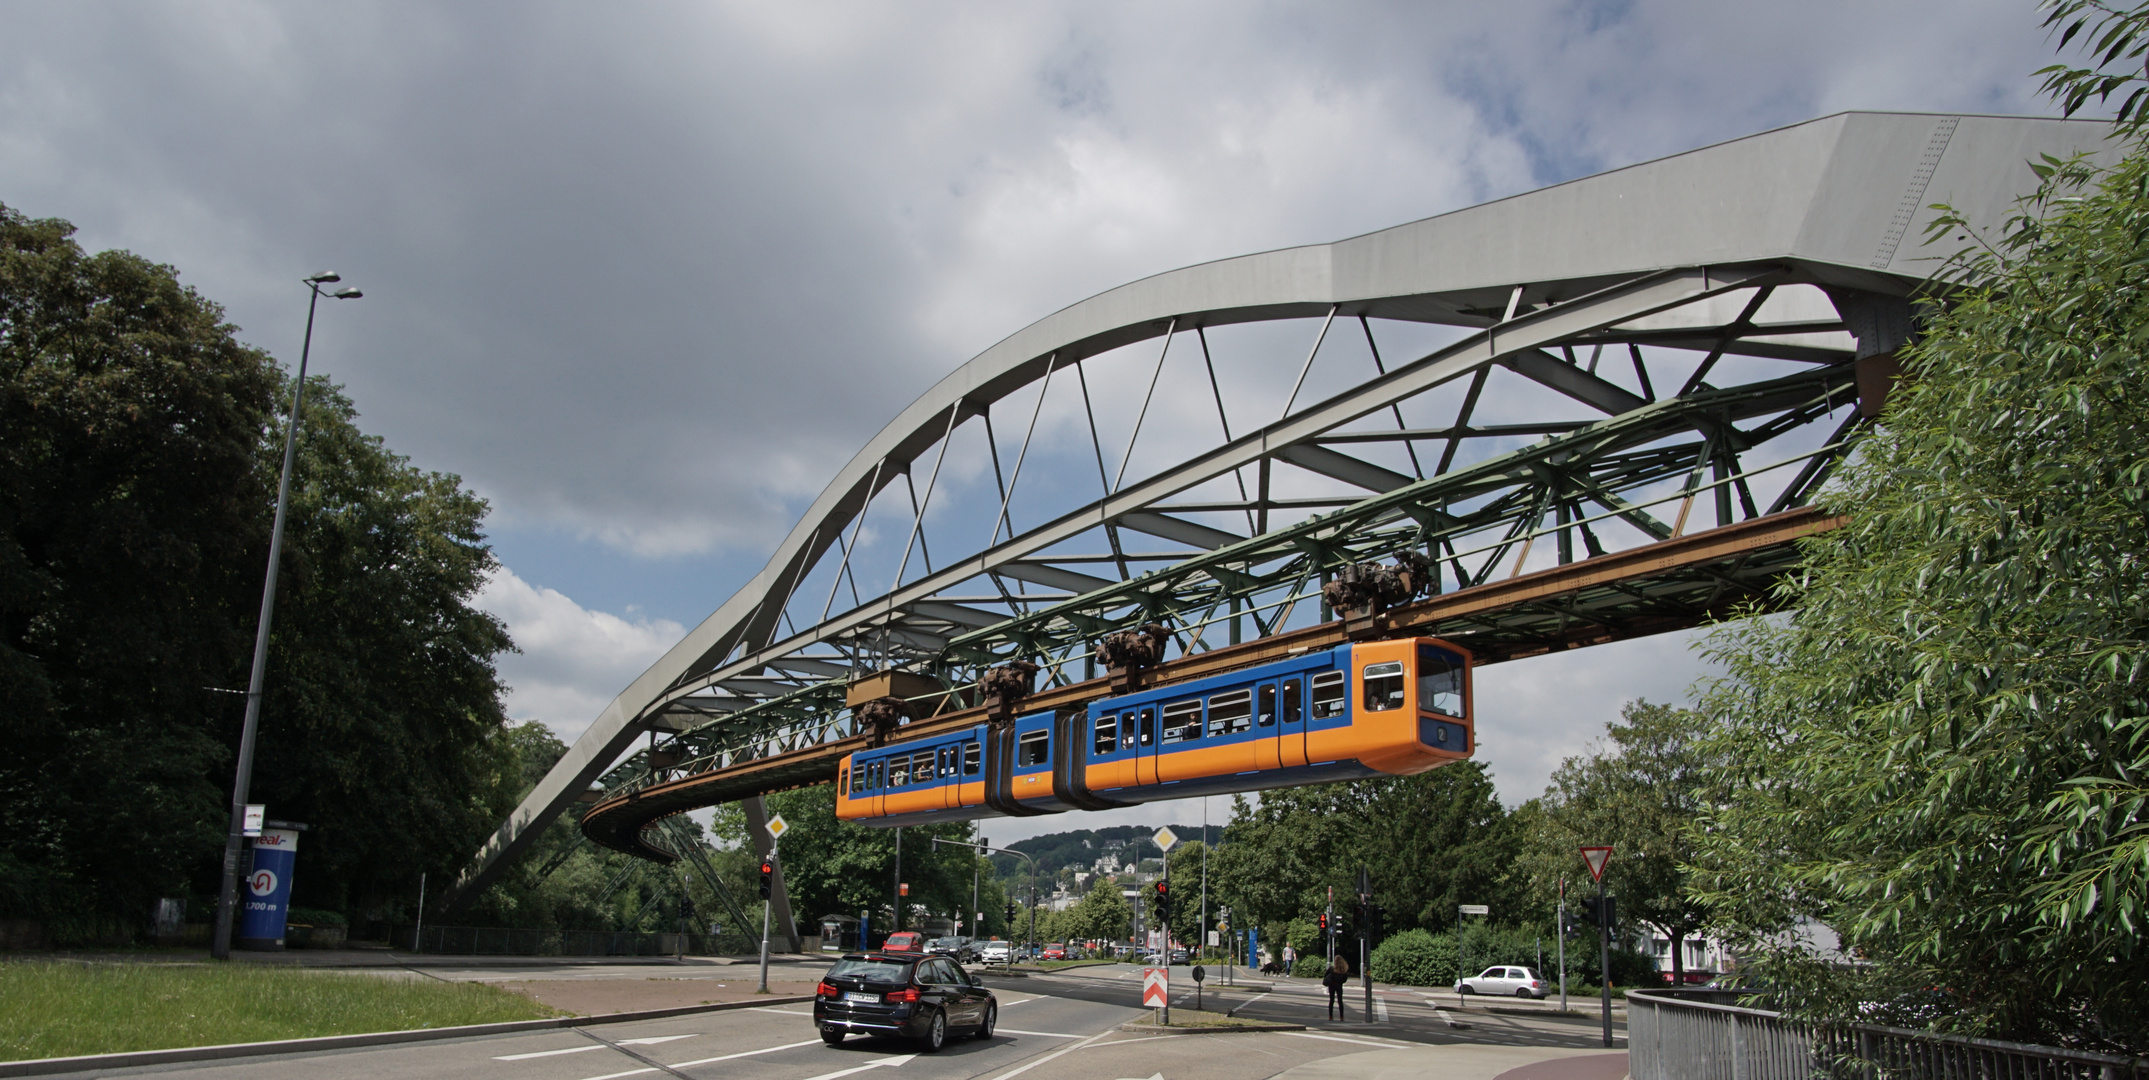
(1563, 944)
(896, 886)
(1331, 934)
(1365, 938)
(977, 917)
(767, 904)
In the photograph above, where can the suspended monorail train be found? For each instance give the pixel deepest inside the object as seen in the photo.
(1383, 708)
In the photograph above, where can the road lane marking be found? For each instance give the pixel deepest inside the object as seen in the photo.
(1341, 1039)
(651, 1041)
(1046, 1034)
(1380, 1006)
(874, 1064)
(774, 1009)
(705, 1061)
(1020, 1069)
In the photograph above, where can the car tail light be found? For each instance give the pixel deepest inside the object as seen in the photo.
(827, 989)
(901, 996)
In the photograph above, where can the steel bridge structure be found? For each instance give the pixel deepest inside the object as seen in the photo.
(1601, 409)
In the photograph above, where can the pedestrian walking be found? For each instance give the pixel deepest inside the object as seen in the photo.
(1339, 973)
(1290, 957)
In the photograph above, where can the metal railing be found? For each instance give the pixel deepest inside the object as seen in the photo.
(1677, 1037)
(499, 941)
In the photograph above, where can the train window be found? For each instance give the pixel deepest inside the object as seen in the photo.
(1293, 700)
(1265, 708)
(1033, 750)
(1149, 726)
(898, 770)
(1230, 712)
(1384, 686)
(1440, 681)
(843, 782)
(921, 769)
(1107, 736)
(1182, 721)
(1328, 694)
(970, 760)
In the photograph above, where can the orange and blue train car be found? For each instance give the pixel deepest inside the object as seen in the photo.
(1382, 708)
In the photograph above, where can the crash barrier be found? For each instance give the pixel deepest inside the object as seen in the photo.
(498, 941)
(1676, 1036)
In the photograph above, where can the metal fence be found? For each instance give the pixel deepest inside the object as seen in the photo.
(496, 941)
(1673, 1036)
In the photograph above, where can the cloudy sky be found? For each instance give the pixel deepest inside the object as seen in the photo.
(645, 275)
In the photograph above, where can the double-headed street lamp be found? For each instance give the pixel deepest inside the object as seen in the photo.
(227, 895)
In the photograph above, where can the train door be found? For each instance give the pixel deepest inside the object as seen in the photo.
(1145, 741)
(947, 769)
(1291, 722)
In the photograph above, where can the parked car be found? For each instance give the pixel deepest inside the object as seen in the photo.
(1505, 982)
(997, 952)
(910, 995)
(904, 942)
(1055, 951)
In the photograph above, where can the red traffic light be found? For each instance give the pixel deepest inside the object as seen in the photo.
(1163, 888)
(768, 867)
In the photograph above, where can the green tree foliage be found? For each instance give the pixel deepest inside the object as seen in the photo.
(1432, 842)
(1416, 958)
(835, 867)
(130, 420)
(139, 445)
(1102, 914)
(1942, 753)
(1643, 794)
(381, 562)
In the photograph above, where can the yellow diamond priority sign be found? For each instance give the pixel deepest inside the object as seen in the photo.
(1165, 838)
(776, 827)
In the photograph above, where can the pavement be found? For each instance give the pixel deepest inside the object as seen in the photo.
(1059, 1026)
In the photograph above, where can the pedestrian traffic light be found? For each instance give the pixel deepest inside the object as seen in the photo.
(1323, 917)
(768, 877)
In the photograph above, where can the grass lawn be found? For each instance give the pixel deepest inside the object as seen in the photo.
(64, 1009)
(1062, 965)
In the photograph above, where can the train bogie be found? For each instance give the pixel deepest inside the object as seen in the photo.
(1389, 708)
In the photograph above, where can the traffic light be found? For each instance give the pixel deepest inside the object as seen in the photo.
(1323, 918)
(768, 876)
(1164, 901)
(1606, 915)
(1011, 917)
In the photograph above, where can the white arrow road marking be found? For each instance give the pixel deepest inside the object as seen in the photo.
(652, 1041)
(1020, 1069)
(1152, 1076)
(874, 1064)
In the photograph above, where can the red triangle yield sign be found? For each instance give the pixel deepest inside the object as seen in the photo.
(1596, 857)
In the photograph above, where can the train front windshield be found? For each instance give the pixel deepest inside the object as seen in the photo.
(1440, 681)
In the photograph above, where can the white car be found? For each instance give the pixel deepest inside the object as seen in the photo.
(1504, 981)
(996, 952)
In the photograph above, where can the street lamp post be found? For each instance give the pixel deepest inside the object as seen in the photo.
(234, 837)
(988, 850)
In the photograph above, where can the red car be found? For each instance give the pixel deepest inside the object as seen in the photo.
(1055, 951)
(905, 942)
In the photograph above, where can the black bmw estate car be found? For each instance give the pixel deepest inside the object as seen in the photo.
(927, 998)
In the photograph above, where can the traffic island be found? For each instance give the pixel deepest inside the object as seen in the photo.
(1203, 1022)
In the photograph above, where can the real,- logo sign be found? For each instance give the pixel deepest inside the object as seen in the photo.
(1596, 855)
(1156, 987)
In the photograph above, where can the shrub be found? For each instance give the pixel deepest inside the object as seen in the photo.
(317, 917)
(1310, 967)
(1416, 958)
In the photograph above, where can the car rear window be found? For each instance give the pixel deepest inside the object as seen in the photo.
(888, 971)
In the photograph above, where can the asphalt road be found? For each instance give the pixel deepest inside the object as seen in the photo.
(1062, 1026)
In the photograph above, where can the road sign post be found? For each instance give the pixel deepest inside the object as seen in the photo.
(775, 829)
(1597, 855)
(1563, 944)
(1156, 990)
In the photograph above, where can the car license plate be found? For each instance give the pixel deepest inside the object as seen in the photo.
(865, 999)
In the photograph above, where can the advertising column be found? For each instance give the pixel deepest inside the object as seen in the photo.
(266, 891)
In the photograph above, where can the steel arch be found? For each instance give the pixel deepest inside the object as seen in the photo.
(1683, 255)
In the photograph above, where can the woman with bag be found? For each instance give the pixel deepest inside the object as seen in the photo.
(1338, 974)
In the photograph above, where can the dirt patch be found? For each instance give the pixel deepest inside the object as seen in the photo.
(588, 997)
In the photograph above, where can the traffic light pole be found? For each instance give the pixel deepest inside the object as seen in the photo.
(1604, 961)
(1365, 938)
